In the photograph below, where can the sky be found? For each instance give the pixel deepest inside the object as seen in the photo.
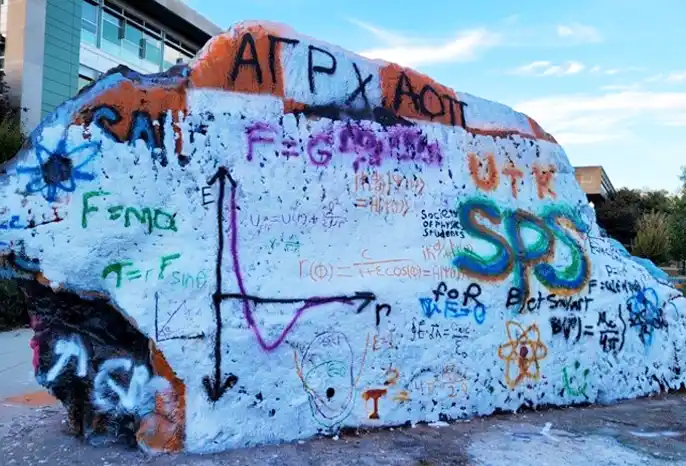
(607, 78)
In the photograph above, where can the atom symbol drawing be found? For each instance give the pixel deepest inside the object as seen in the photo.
(59, 169)
(522, 353)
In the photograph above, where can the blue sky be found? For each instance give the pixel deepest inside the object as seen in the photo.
(606, 77)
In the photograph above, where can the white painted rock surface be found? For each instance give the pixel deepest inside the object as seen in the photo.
(313, 240)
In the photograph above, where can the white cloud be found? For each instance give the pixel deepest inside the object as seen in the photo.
(655, 78)
(621, 87)
(464, 47)
(676, 77)
(579, 33)
(675, 120)
(583, 119)
(387, 37)
(411, 51)
(407, 50)
(611, 71)
(546, 68)
(673, 77)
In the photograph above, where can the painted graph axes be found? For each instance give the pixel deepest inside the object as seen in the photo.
(216, 385)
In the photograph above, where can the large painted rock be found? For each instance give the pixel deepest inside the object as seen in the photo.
(283, 239)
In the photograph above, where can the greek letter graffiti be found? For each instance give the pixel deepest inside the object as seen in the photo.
(67, 349)
(138, 396)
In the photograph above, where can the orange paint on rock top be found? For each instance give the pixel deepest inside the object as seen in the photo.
(539, 132)
(414, 95)
(248, 61)
(129, 98)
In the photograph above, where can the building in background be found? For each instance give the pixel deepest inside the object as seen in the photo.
(52, 48)
(3, 32)
(595, 183)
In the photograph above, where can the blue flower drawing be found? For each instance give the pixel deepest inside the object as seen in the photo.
(59, 169)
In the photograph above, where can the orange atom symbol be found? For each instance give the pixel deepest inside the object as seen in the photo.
(525, 350)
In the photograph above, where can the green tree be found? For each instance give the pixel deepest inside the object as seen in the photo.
(656, 201)
(619, 216)
(11, 136)
(652, 237)
(12, 303)
(677, 232)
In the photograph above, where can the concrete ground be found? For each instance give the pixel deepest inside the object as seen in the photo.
(649, 431)
(16, 369)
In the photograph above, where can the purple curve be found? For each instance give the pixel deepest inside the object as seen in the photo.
(275, 344)
(247, 310)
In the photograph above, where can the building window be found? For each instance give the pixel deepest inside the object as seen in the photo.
(172, 56)
(84, 81)
(132, 45)
(112, 33)
(133, 40)
(152, 49)
(87, 75)
(89, 23)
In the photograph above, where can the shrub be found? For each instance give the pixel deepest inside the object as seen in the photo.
(652, 237)
(11, 139)
(13, 312)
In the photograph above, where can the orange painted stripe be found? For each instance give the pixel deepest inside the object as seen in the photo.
(35, 399)
(129, 97)
(539, 132)
(241, 62)
(249, 60)
(411, 94)
(501, 133)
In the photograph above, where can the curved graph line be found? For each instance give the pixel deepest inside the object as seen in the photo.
(214, 388)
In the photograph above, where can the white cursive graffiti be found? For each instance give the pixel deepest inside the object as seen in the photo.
(67, 349)
(137, 398)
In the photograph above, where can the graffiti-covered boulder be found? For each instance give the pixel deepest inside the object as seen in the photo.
(282, 239)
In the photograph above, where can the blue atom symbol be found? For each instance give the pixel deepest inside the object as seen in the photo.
(59, 169)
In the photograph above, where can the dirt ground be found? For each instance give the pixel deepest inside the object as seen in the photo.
(649, 431)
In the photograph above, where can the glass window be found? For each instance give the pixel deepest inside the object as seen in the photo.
(88, 72)
(84, 81)
(132, 43)
(111, 28)
(152, 51)
(89, 12)
(113, 7)
(89, 22)
(170, 56)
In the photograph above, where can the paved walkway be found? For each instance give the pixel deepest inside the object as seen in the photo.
(639, 432)
(16, 369)
(649, 431)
